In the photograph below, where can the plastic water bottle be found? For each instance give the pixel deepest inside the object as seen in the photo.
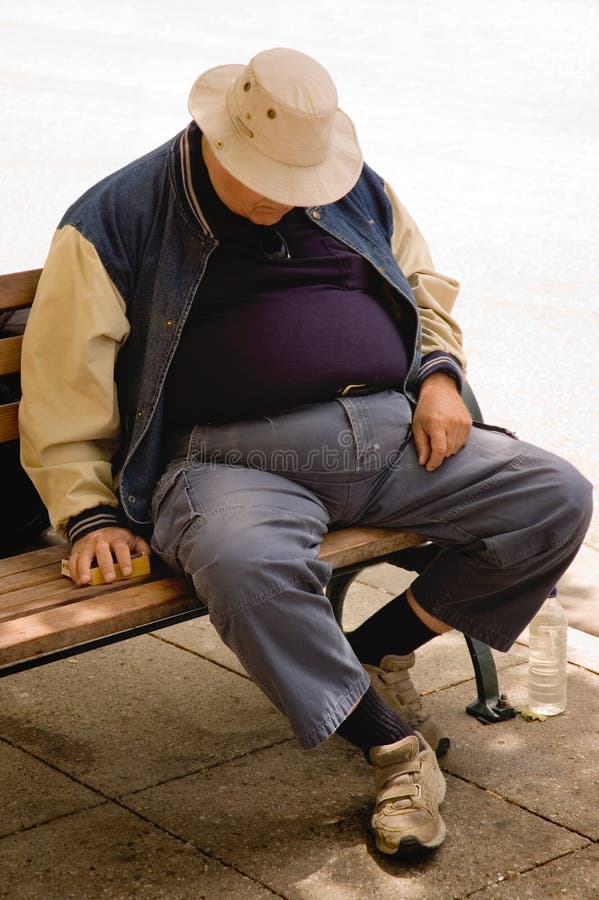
(547, 658)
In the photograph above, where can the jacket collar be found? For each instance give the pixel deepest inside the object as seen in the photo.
(188, 159)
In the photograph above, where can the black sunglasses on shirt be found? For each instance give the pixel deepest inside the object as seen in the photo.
(274, 246)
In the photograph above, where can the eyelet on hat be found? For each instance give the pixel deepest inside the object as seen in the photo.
(218, 143)
(271, 113)
(247, 86)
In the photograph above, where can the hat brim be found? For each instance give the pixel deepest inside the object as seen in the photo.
(290, 185)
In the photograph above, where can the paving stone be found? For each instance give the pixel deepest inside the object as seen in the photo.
(135, 714)
(583, 649)
(362, 601)
(32, 792)
(388, 578)
(109, 853)
(548, 767)
(578, 591)
(200, 636)
(573, 876)
(446, 660)
(297, 822)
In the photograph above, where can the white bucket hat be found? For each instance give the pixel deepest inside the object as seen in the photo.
(275, 126)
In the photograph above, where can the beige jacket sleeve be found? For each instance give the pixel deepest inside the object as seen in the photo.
(68, 416)
(435, 293)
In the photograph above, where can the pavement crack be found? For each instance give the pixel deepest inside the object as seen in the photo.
(208, 767)
(518, 805)
(23, 829)
(511, 875)
(54, 767)
(209, 854)
(116, 798)
(179, 646)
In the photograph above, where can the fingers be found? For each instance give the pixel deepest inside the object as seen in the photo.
(80, 563)
(124, 551)
(457, 437)
(421, 442)
(106, 545)
(443, 443)
(436, 440)
(141, 546)
(104, 559)
(431, 443)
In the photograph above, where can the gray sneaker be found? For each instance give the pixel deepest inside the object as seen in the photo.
(409, 789)
(391, 678)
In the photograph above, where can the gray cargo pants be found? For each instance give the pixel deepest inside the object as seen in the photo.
(243, 507)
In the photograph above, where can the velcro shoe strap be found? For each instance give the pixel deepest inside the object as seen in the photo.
(400, 679)
(396, 774)
(398, 793)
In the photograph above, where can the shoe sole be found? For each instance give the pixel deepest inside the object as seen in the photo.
(442, 747)
(411, 846)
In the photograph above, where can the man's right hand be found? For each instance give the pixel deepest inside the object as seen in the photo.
(105, 545)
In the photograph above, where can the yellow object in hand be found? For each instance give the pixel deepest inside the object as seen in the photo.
(140, 566)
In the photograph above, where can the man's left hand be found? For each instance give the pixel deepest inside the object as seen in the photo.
(441, 422)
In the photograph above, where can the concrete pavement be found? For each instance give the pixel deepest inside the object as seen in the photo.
(155, 769)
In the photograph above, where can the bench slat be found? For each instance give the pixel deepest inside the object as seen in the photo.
(18, 289)
(41, 575)
(354, 545)
(108, 613)
(10, 355)
(26, 562)
(9, 422)
(53, 589)
(20, 604)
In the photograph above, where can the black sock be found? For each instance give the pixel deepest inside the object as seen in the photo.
(373, 723)
(393, 629)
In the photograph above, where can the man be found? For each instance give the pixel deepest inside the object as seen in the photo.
(240, 341)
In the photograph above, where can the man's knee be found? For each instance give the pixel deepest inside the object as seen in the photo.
(544, 506)
(571, 494)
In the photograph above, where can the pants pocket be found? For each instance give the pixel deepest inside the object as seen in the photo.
(484, 427)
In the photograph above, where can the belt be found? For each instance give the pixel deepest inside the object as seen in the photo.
(359, 390)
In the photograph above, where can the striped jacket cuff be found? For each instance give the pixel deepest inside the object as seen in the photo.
(90, 520)
(439, 361)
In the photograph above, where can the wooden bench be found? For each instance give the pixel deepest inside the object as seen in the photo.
(45, 617)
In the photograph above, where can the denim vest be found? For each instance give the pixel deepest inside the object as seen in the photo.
(155, 250)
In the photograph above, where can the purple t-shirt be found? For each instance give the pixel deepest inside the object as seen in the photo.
(267, 333)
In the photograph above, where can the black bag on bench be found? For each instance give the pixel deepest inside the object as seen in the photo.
(23, 516)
